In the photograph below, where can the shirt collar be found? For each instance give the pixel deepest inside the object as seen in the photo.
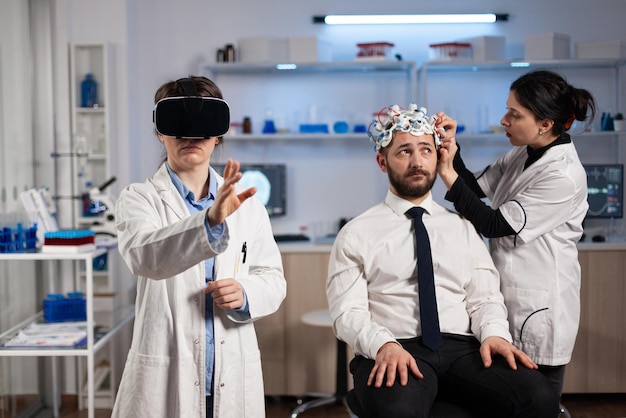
(184, 190)
(535, 154)
(400, 205)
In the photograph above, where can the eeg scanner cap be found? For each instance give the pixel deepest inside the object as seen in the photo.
(390, 119)
(191, 116)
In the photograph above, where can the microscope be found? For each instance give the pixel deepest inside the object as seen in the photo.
(99, 210)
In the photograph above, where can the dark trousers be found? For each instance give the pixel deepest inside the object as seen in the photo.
(209, 407)
(556, 375)
(455, 373)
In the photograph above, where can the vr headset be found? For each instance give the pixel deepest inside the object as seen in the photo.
(191, 116)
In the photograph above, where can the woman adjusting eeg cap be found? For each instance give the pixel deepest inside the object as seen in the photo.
(191, 116)
(413, 120)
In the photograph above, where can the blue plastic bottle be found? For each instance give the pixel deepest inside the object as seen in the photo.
(89, 91)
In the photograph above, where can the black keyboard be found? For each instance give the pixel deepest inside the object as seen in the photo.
(291, 237)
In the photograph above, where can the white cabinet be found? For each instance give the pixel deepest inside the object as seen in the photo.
(90, 154)
(91, 124)
(113, 321)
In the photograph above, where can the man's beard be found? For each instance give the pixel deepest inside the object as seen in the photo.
(406, 187)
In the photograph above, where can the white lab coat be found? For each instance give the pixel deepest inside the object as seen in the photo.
(539, 268)
(165, 247)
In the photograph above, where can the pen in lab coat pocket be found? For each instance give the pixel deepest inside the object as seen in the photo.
(241, 258)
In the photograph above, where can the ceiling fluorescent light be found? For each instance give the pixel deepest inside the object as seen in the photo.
(409, 19)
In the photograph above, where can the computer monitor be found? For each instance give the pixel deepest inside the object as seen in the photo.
(270, 181)
(605, 188)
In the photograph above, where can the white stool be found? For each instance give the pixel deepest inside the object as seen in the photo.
(321, 318)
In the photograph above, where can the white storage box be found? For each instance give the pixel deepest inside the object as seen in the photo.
(308, 49)
(598, 50)
(547, 46)
(487, 48)
(263, 49)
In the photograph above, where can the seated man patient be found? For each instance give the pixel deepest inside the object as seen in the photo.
(412, 347)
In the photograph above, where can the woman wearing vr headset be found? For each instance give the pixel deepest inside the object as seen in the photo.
(207, 268)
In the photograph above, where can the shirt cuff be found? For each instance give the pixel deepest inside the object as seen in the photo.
(243, 313)
(495, 330)
(215, 233)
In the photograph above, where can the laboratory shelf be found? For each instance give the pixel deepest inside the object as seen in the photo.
(317, 67)
(469, 65)
(314, 73)
(108, 323)
(501, 137)
(299, 137)
(119, 318)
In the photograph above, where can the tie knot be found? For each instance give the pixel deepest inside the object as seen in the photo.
(415, 212)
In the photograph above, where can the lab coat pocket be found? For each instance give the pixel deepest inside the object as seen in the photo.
(529, 316)
(254, 392)
(151, 372)
(241, 386)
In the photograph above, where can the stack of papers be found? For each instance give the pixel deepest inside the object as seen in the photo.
(58, 334)
(67, 249)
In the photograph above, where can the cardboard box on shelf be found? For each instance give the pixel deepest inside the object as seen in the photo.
(262, 49)
(601, 49)
(487, 48)
(304, 49)
(547, 46)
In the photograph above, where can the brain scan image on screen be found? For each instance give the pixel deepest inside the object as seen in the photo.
(255, 178)
(270, 181)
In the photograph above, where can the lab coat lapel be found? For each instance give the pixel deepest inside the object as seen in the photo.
(167, 193)
(519, 180)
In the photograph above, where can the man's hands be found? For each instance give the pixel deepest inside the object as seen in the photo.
(392, 360)
(496, 345)
(226, 201)
(226, 293)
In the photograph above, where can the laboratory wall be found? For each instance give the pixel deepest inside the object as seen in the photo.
(156, 41)
(16, 174)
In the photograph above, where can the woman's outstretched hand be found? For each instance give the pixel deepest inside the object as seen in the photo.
(226, 201)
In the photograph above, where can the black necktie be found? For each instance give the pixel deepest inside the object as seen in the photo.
(431, 336)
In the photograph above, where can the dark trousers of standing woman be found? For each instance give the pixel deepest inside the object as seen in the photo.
(209, 407)
(555, 374)
(455, 373)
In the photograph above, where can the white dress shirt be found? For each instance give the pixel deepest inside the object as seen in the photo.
(372, 278)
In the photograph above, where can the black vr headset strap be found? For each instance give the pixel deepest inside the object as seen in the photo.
(187, 85)
(191, 105)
